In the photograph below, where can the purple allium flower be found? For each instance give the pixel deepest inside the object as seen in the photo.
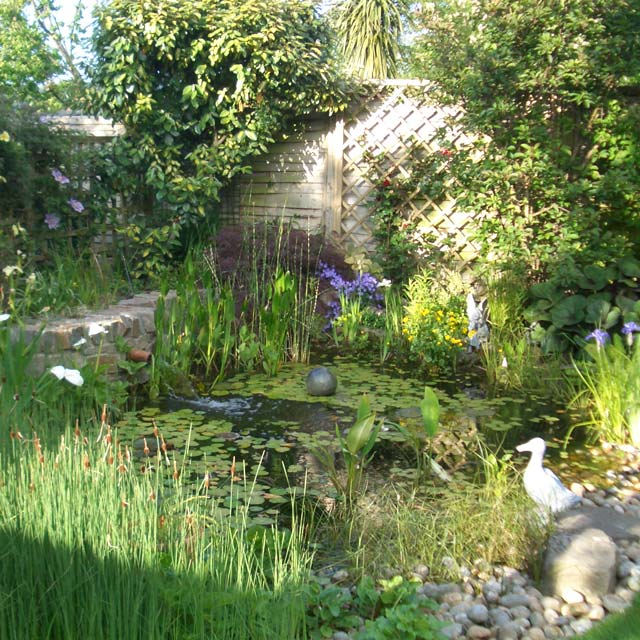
(599, 335)
(52, 220)
(629, 328)
(76, 205)
(59, 177)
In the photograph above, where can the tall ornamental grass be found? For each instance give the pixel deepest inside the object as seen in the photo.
(93, 548)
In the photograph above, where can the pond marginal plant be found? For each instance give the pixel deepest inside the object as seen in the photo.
(420, 433)
(610, 380)
(355, 447)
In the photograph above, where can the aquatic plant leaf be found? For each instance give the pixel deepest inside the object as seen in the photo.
(430, 410)
(358, 439)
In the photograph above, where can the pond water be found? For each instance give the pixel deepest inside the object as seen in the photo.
(264, 428)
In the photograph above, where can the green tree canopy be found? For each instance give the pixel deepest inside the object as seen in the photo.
(202, 86)
(551, 90)
(26, 60)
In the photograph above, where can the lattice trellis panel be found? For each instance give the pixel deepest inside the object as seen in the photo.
(388, 123)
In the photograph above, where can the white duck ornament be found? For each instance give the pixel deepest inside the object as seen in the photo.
(542, 485)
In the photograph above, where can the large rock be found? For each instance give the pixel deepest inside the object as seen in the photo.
(582, 561)
(321, 382)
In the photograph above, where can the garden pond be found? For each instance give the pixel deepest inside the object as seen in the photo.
(256, 433)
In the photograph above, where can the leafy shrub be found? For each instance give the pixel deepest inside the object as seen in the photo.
(563, 310)
(434, 322)
(544, 87)
(401, 242)
(201, 88)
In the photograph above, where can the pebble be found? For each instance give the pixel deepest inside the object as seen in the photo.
(581, 625)
(340, 576)
(452, 631)
(597, 612)
(478, 613)
(514, 600)
(476, 632)
(509, 631)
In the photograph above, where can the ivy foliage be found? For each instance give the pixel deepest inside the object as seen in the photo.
(202, 87)
(551, 92)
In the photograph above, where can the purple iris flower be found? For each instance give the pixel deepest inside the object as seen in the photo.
(59, 177)
(76, 205)
(52, 220)
(600, 336)
(629, 328)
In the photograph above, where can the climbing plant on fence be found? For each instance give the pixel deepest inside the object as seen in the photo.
(201, 87)
(551, 91)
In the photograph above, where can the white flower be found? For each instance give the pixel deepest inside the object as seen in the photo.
(73, 376)
(32, 278)
(11, 269)
(385, 282)
(4, 317)
(79, 343)
(504, 364)
(96, 329)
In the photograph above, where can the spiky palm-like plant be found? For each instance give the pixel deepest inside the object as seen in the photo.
(368, 33)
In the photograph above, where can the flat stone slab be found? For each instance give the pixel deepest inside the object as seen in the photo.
(618, 526)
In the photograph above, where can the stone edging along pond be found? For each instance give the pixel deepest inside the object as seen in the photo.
(68, 341)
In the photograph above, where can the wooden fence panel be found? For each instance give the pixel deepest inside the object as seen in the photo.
(319, 176)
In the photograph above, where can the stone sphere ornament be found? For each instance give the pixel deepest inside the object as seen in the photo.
(321, 382)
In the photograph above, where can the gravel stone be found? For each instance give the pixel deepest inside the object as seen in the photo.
(514, 600)
(613, 603)
(476, 632)
(453, 631)
(478, 613)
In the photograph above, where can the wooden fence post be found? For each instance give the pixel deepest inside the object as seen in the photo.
(333, 186)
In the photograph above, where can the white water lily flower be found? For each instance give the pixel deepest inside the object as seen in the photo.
(73, 376)
(79, 343)
(4, 317)
(96, 329)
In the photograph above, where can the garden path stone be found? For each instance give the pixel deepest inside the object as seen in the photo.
(584, 561)
(618, 526)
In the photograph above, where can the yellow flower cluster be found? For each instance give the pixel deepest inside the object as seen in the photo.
(433, 332)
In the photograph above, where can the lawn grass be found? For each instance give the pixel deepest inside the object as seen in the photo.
(621, 626)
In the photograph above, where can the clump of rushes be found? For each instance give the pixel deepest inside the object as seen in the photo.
(97, 544)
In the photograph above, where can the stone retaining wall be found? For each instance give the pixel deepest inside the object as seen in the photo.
(67, 341)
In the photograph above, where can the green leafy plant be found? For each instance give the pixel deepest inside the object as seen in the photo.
(551, 161)
(610, 380)
(420, 434)
(562, 309)
(211, 87)
(355, 448)
(434, 322)
(401, 242)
